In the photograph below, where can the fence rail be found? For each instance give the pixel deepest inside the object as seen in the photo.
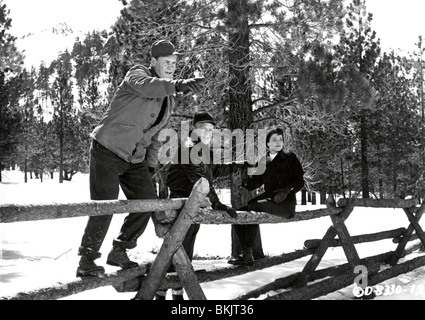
(149, 277)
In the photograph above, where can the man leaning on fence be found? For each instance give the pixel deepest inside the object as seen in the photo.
(182, 176)
(124, 152)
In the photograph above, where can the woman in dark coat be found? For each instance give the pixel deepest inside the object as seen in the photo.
(282, 179)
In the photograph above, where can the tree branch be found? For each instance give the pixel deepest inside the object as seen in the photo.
(273, 105)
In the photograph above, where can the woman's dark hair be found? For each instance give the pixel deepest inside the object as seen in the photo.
(274, 131)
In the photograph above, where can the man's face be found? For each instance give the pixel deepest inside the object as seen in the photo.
(165, 66)
(204, 131)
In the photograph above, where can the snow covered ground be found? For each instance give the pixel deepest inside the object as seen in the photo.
(36, 254)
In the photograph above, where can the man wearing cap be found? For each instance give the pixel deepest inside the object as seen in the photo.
(182, 176)
(124, 152)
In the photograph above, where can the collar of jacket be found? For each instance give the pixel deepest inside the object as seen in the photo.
(281, 154)
(153, 72)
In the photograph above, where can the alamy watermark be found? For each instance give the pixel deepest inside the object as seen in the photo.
(225, 147)
(364, 289)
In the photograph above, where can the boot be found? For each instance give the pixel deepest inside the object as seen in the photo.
(87, 267)
(160, 295)
(246, 258)
(118, 257)
(233, 259)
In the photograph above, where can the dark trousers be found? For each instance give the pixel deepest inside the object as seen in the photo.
(107, 173)
(246, 233)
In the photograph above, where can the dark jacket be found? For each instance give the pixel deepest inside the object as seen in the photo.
(181, 177)
(140, 108)
(285, 171)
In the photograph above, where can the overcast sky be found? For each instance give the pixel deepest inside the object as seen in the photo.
(82, 15)
(398, 23)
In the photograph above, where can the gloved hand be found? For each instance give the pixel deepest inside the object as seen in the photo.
(193, 84)
(232, 212)
(281, 195)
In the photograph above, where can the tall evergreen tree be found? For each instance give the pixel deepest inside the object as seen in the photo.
(396, 128)
(11, 61)
(90, 78)
(63, 104)
(358, 53)
(27, 137)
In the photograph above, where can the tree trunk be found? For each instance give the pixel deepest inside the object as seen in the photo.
(394, 177)
(313, 198)
(322, 197)
(364, 160)
(421, 77)
(61, 159)
(349, 187)
(303, 197)
(240, 101)
(240, 112)
(61, 138)
(25, 170)
(342, 176)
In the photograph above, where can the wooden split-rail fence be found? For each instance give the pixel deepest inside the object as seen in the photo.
(309, 283)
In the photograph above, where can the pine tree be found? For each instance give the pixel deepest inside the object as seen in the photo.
(63, 100)
(10, 66)
(358, 52)
(396, 129)
(27, 137)
(11, 59)
(91, 82)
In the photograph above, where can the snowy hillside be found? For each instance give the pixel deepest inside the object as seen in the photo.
(54, 39)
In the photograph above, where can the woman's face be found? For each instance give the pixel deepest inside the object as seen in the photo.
(275, 143)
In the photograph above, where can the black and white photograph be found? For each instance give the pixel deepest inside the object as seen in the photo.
(222, 155)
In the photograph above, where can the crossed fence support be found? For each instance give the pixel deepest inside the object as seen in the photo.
(299, 281)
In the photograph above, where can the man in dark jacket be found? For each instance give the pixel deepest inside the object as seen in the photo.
(282, 179)
(181, 177)
(124, 152)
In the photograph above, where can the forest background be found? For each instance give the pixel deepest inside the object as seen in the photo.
(353, 114)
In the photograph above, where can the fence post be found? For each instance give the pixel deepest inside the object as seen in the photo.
(187, 275)
(323, 246)
(172, 242)
(406, 237)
